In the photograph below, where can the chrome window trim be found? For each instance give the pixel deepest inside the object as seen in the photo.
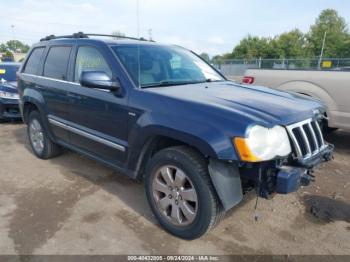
(53, 79)
(87, 135)
(62, 81)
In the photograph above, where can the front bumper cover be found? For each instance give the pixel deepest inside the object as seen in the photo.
(9, 109)
(290, 178)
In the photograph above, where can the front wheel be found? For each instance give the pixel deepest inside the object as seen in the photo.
(180, 192)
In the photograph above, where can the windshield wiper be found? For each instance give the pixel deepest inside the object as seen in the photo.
(171, 83)
(174, 83)
(209, 80)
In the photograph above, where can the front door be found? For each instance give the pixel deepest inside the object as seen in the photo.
(97, 118)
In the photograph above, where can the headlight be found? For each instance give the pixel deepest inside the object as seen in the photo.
(263, 144)
(8, 95)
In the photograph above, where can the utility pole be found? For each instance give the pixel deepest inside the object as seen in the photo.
(321, 55)
(13, 37)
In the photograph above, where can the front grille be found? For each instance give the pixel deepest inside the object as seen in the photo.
(307, 139)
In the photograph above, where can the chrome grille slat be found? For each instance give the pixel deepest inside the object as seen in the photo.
(313, 137)
(306, 137)
(306, 141)
(320, 133)
(296, 144)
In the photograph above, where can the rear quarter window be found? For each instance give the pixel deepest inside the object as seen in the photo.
(56, 63)
(33, 61)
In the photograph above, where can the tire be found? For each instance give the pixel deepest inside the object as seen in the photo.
(325, 128)
(177, 162)
(328, 130)
(41, 144)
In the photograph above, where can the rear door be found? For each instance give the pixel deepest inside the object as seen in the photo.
(98, 118)
(53, 86)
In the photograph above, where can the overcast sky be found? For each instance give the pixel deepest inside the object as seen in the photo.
(212, 26)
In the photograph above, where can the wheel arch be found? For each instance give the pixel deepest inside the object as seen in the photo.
(223, 175)
(310, 89)
(155, 143)
(33, 100)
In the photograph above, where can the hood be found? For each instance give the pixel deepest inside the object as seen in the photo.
(10, 87)
(262, 105)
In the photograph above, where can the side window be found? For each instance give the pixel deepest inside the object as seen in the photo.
(89, 58)
(57, 62)
(33, 61)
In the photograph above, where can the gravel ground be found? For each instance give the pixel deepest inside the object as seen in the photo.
(73, 205)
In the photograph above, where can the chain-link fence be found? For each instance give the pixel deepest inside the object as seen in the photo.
(237, 67)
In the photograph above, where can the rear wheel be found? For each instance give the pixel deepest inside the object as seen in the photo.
(180, 192)
(42, 146)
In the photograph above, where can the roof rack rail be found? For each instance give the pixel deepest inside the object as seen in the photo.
(119, 36)
(83, 35)
(75, 35)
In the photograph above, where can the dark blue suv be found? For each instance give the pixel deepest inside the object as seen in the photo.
(161, 114)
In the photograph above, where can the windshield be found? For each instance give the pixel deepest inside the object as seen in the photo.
(151, 66)
(8, 72)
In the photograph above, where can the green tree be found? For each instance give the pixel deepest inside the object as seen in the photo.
(217, 59)
(15, 45)
(291, 44)
(205, 56)
(8, 55)
(295, 44)
(252, 47)
(337, 38)
(3, 48)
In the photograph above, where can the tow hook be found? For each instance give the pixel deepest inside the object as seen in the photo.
(328, 156)
(306, 178)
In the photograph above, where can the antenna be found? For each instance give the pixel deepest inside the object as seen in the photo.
(138, 18)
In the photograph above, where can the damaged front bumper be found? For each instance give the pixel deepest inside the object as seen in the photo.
(290, 178)
(232, 179)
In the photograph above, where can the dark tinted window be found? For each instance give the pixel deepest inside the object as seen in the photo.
(57, 62)
(89, 58)
(8, 72)
(33, 61)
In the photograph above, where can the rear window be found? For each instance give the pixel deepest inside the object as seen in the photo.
(33, 61)
(8, 72)
(57, 62)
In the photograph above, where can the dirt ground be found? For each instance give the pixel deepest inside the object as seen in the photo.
(73, 205)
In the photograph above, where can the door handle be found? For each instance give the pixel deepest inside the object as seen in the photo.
(75, 96)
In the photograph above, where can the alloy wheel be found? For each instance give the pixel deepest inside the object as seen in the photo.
(175, 195)
(36, 136)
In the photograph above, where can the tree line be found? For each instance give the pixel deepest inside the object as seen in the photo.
(296, 44)
(12, 46)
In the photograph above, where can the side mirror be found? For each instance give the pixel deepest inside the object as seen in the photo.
(98, 79)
